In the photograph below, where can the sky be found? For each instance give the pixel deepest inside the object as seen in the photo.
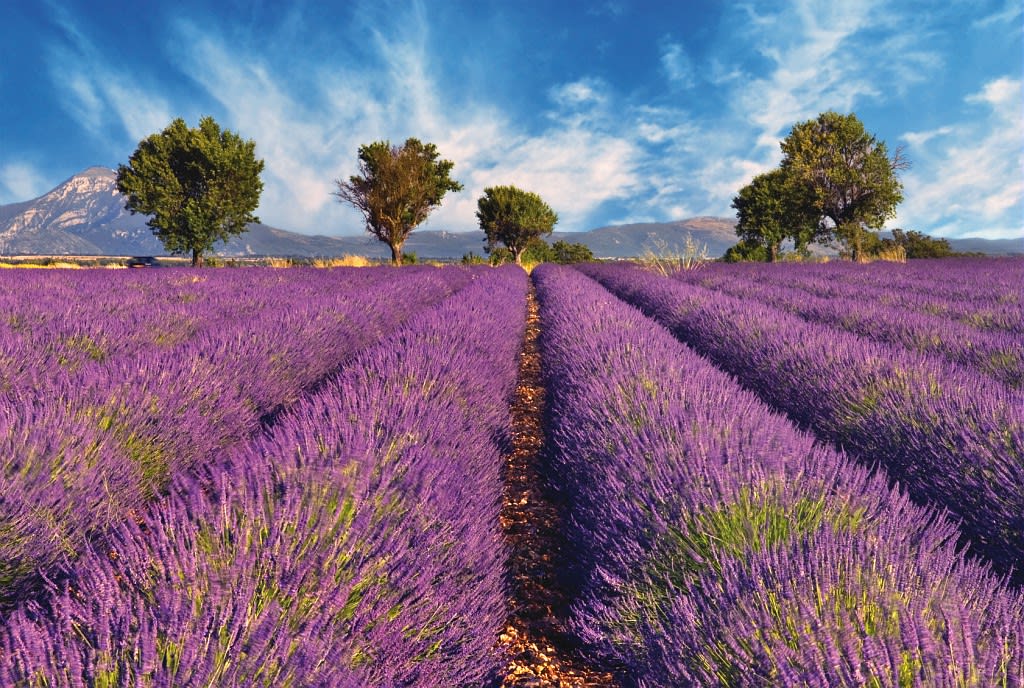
(614, 111)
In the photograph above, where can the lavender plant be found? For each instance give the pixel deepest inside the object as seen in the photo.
(948, 436)
(985, 294)
(355, 544)
(997, 353)
(713, 543)
(84, 446)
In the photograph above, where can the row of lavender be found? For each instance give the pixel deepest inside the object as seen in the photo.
(986, 294)
(950, 436)
(113, 383)
(354, 544)
(712, 543)
(996, 352)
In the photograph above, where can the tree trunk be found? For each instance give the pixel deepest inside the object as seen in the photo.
(773, 254)
(396, 253)
(858, 255)
(519, 256)
(197, 258)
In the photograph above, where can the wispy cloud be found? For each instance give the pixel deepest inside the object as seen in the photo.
(309, 140)
(676, 63)
(817, 58)
(587, 92)
(967, 178)
(1010, 13)
(917, 139)
(20, 181)
(591, 143)
(815, 67)
(97, 94)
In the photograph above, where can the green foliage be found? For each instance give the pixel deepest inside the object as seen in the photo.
(513, 217)
(410, 258)
(397, 188)
(774, 207)
(539, 251)
(745, 251)
(199, 185)
(473, 259)
(564, 252)
(500, 256)
(847, 172)
(918, 245)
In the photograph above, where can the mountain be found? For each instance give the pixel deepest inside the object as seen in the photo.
(997, 247)
(85, 216)
(625, 241)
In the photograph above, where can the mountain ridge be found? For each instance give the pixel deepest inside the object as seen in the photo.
(85, 216)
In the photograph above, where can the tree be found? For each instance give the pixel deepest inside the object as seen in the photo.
(847, 172)
(565, 252)
(919, 245)
(200, 185)
(396, 189)
(513, 217)
(772, 208)
(744, 251)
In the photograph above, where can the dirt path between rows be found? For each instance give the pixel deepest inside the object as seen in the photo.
(534, 637)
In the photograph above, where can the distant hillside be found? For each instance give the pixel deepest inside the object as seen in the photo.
(998, 247)
(85, 216)
(624, 241)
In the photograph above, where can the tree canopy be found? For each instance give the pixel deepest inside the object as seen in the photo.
(847, 172)
(919, 245)
(772, 208)
(199, 185)
(513, 217)
(565, 252)
(540, 251)
(397, 188)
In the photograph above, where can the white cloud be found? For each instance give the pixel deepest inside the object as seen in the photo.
(575, 170)
(970, 179)
(820, 63)
(677, 64)
(918, 139)
(1001, 93)
(592, 147)
(308, 139)
(589, 91)
(96, 93)
(81, 101)
(609, 8)
(139, 111)
(21, 181)
(1010, 13)
(818, 58)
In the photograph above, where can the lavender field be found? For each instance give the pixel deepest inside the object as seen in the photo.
(766, 475)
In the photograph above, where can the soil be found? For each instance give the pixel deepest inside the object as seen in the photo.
(538, 649)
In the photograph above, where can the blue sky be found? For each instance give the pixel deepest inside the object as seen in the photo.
(614, 112)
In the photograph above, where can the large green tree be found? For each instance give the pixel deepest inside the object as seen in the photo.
(513, 217)
(199, 185)
(848, 173)
(396, 189)
(772, 208)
